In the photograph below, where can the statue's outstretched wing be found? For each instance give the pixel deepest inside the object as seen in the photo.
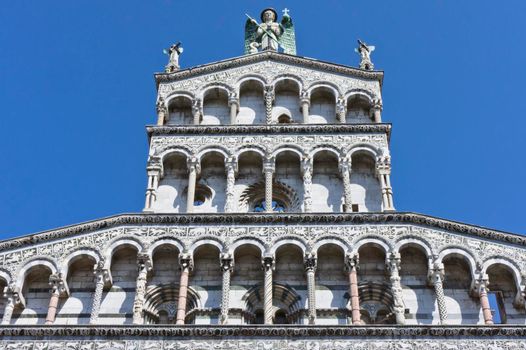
(250, 34)
(288, 38)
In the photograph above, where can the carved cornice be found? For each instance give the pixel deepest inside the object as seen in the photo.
(260, 218)
(278, 331)
(268, 129)
(269, 55)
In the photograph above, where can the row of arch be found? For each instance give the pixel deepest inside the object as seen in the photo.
(302, 182)
(248, 103)
(461, 268)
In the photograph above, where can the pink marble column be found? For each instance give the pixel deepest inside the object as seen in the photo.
(58, 287)
(352, 266)
(484, 301)
(186, 264)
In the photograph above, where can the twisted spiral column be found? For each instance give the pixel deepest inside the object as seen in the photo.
(269, 102)
(437, 277)
(268, 266)
(268, 170)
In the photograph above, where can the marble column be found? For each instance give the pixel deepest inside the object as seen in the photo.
(482, 291)
(268, 266)
(227, 266)
(197, 111)
(306, 170)
(437, 277)
(13, 298)
(102, 277)
(153, 170)
(269, 103)
(186, 265)
(58, 288)
(376, 111)
(352, 269)
(231, 170)
(233, 102)
(383, 171)
(341, 109)
(268, 171)
(345, 169)
(162, 112)
(305, 105)
(310, 270)
(393, 266)
(193, 169)
(144, 266)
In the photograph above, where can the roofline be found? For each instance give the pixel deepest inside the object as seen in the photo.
(268, 55)
(257, 219)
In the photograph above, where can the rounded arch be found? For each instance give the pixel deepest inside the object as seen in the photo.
(83, 251)
(333, 88)
(36, 261)
(290, 148)
(170, 241)
(334, 240)
(364, 148)
(251, 148)
(211, 149)
(247, 241)
(6, 276)
(175, 94)
(201, 241)
(118, 243)
(288, 240)
(372, 239)
(207, 88)
(413, 241)
(508, 263)
(291, 77)
(186, 152)
(247, 78)
(368, 95)
(467, 255)
(329, 148)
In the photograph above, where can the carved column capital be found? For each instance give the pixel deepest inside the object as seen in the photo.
(227, 262)
(160, 106)
(310, 262)
(480, 284)
(383, 165)
(436, 273)
(269, 165)
(352, 261)
(344, 165)
(102, 273)
(144, 262)
(341, 109)
(393, 262)
(233, 99)
(268, 263)
(58, 284)
(231, 164)
(186, 262)
(193, 165)
(306, 165)
(12, 292)
(304, 97)
(269, 92)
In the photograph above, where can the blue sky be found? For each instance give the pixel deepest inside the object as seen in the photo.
(76, 89)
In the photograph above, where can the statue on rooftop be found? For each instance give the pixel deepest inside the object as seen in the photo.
(173, 52)
(270, 35)
(365, 53)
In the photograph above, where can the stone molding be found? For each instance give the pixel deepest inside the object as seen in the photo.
(306, 331)
(259, 218)
(268, 129)
(268, 55)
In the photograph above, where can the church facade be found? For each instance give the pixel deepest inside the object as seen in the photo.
(269, 223)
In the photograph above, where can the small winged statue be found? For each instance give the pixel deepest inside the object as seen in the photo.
(365, 53)
(270, 35)
(173, 52)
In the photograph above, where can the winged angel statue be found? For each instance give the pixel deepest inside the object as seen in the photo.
(270, 35)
